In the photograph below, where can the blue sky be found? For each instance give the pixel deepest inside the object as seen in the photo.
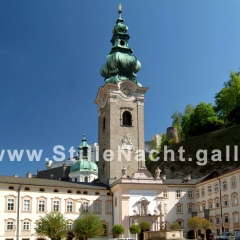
(51, 53)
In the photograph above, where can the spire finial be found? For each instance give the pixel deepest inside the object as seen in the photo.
(119, 10)
(84, 136)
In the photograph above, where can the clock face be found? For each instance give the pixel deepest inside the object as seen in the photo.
(126, 91)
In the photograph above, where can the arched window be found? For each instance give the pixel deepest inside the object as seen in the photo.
(127, 118)
(86, 179)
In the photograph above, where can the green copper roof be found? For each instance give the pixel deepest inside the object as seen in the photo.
(121, 64)
(84, 147)
(84, 165)
(84, 142)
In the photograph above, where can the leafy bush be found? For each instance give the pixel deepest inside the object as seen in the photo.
(135, 229)
(175, 226)
(89, 226)
(117, 230)
(144, 225)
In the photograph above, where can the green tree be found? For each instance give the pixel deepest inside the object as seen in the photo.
(117, 230)
(228, 98)
(194, 223)
(203, 120)
(234, 115)
(185, 124)
(175, 226)
(135, 229)
(205, 224)
(172, 142)
(177, 118)
(52, 225)
(189, 109)
(144, 225)
(164, 141)
(89, 226)
(181, 121)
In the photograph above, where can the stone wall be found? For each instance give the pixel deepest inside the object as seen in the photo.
(172, 132)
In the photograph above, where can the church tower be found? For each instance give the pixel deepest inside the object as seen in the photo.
(120, 111)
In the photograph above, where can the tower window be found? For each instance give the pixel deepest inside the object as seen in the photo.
(104, 123)
(122, 42)
(127, 118)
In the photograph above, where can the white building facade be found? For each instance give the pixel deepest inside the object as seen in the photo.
(24, 200)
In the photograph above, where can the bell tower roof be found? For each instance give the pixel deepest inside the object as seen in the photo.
(84, 147)
(121, 64)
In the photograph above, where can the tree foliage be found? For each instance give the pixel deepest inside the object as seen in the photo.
(117, 230)
(228, 100)
(203, 120)
(175, 226)
(144, 225)
(135, 229)
(177, 118)
(89, 226)
(52, 225)
(194, 223)
(206, 118)
(205, 224)
(181, 121)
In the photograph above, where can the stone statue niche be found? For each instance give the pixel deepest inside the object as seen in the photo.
(143, 207)
(127, 143)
